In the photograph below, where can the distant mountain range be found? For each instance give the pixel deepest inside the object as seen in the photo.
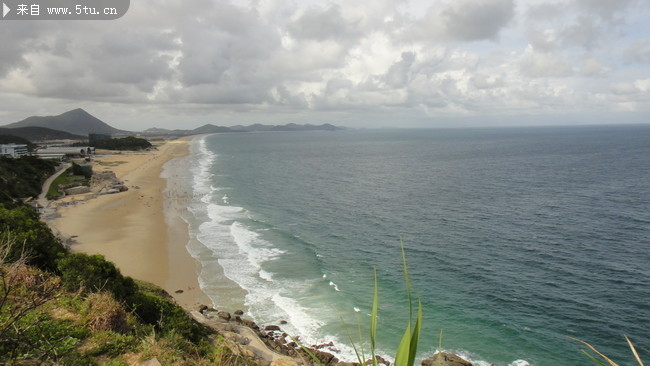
(77, 124)
(76, 121)
(210, 128)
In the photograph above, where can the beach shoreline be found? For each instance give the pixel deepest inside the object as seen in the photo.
(141, 230)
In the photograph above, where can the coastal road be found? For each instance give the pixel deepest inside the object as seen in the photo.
(42, 200)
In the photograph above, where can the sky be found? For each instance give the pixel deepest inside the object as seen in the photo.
(379, 63)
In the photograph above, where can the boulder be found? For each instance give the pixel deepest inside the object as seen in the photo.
(251, 324)
(271, 328)
(239, 312)
(224, 315)
(448, 359)
(151, 362)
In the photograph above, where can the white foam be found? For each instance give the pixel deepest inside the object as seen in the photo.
(336, 288)
(356, 309)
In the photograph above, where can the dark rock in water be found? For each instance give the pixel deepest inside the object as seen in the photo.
(251, 324)
(239, 312)
(448, 359)
(179, 291)
(283, 322)
(224, 315)
(203, 308)
(238, 319)
(272, 327)
(326, 358)
(292, 345)
(320, 346)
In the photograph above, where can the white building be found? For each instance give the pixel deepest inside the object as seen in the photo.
(13, 150)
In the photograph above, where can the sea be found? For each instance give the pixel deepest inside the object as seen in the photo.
(515, 239)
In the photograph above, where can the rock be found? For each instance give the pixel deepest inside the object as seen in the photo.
(239, 312)
(272, 328)
(326, 358)
(251, 324)
(203, 308)
(284, 361)
(223, 315)
(283, 322)
(320, 346)
(238, 319)
(448, 359)
(151, 362)
(179, 291)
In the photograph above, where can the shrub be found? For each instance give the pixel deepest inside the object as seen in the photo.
(166, 316)
(32, 238)
(93, 273)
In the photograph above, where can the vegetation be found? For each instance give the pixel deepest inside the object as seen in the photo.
(407, 349)
(609, 361)
(125, 143)
(23, 177)
(81, 310)
(76, 175)
(34, 239)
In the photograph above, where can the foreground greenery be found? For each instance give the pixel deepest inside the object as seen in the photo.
(58, 307)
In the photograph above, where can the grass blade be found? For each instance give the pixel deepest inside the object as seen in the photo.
(440, 349)
(373, 321)
(636, 355)
(612, 363)
(596, 361)
(413, 347)
(402, 356)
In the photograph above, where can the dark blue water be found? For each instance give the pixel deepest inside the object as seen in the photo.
(515, 238)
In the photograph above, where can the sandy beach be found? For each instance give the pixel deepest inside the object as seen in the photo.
(145, 238)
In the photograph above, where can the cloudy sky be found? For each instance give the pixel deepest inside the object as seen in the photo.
(437, 63)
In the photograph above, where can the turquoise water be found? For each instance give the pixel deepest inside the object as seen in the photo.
(515, 238)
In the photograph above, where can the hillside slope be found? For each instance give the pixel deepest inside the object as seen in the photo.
(76, 121)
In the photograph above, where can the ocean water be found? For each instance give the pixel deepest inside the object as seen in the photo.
(515, 237)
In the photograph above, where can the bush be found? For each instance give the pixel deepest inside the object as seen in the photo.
(84, 170)
(93, 273)
(125, 143)
(166, 316)
(23, 177)
(32, 237)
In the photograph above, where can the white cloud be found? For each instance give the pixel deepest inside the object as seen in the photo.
(274, 60)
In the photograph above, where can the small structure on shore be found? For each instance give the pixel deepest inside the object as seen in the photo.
(13, 150)
(65, 151)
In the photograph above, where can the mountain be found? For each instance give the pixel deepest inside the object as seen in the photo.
(76, 121)
(40, 134)
(210, 128)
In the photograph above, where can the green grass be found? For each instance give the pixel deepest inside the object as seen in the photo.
(65, 180)
(408, 346)
(608, 361)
